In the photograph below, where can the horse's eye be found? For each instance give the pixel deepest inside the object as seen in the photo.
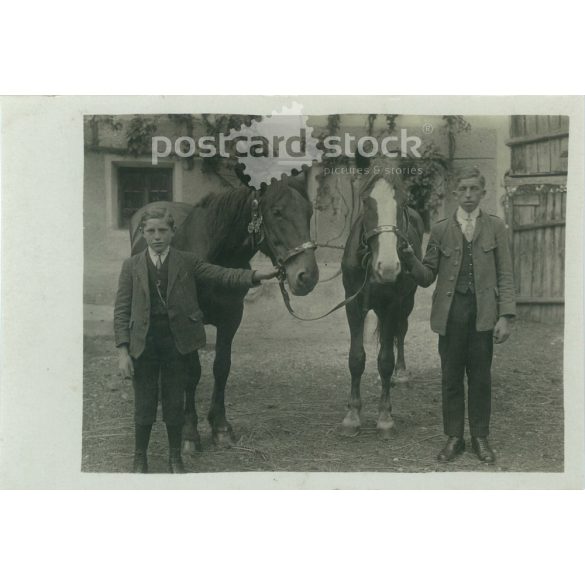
(277, 213)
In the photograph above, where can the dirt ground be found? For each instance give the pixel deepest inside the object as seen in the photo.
(289, 385)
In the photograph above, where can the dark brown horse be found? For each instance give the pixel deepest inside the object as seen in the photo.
(228, 229)
(372, 260)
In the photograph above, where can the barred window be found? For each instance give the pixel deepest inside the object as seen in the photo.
(139, 186)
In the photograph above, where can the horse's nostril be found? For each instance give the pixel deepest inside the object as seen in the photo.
(387, 271)
(302, 277)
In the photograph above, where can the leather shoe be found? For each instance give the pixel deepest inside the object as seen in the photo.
(176, 462)
(140, 462)
(482, 449)
(453, 447)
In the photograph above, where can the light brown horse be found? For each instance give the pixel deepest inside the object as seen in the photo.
(372, 255)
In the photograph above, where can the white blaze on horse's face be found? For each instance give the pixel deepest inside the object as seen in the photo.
(385, 260)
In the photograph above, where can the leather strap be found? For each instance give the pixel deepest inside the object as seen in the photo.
(286, 298)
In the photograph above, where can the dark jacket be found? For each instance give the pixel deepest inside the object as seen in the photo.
(132, 308)
(492, 269)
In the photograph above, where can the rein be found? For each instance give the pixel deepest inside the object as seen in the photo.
(255, 229)
(286, 297)
(366, 237)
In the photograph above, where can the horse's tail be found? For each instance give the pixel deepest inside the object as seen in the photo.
(378, 332)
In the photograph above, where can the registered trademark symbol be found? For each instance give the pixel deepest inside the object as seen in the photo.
(427, 128)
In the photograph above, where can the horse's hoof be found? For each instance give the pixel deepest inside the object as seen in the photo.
(191, 447)
(384, 426)
(401, 378)
(223, 438)
(401, 385)
(349, 431)
(385, 434)
(350, 427)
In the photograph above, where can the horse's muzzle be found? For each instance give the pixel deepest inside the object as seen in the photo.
(302, 274)
(386, 273)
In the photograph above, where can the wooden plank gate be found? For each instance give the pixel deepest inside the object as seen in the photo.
(535, 212)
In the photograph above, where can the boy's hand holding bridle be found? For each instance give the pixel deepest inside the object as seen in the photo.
(260, 275)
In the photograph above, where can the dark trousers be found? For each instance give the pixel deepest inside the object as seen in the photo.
(464, 350)
(161, 363)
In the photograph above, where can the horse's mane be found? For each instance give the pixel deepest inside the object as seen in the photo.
(227, 215)
(223, 222)
(224, 210)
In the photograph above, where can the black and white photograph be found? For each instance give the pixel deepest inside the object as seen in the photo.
(289, 292)
(299, 292)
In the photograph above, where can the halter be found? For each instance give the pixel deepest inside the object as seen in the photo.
(366, 237)
(257, 234)
(380, 229)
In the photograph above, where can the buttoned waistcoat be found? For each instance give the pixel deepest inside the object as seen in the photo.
(132, 307)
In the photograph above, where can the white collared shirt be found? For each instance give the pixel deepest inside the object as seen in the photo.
(154, 255)
(463, 217)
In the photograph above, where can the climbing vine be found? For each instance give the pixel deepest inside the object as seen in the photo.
(426, 177)
(94, 127)
(186, 126)
(139, 135)
(214, 125)
(454, 126)
(426, 186)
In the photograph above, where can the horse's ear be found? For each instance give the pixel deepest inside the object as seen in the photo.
(298, 181)
(362, 162)
(243, 178)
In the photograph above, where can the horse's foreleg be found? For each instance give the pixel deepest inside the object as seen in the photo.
(357, 362)
(221, 430)
(385, 369)
(401, 375)
(191, 439)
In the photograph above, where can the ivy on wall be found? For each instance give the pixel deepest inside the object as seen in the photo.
(454, 126)
(214, 125)
(139, 135)
(94, 127)
(427, 187)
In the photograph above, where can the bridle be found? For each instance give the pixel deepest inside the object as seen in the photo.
(366, 237)
(255, 227)
(380, 229)
(258, 236)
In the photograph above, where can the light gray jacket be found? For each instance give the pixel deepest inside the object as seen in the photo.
(492, 269)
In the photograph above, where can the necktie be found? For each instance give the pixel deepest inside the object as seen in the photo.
(158, 262)
(469, 229)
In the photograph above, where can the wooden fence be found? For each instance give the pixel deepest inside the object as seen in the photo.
(536, 204)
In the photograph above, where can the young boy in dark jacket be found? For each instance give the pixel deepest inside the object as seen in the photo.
(159, 328)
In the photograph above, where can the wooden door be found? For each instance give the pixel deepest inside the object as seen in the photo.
(536, 187)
